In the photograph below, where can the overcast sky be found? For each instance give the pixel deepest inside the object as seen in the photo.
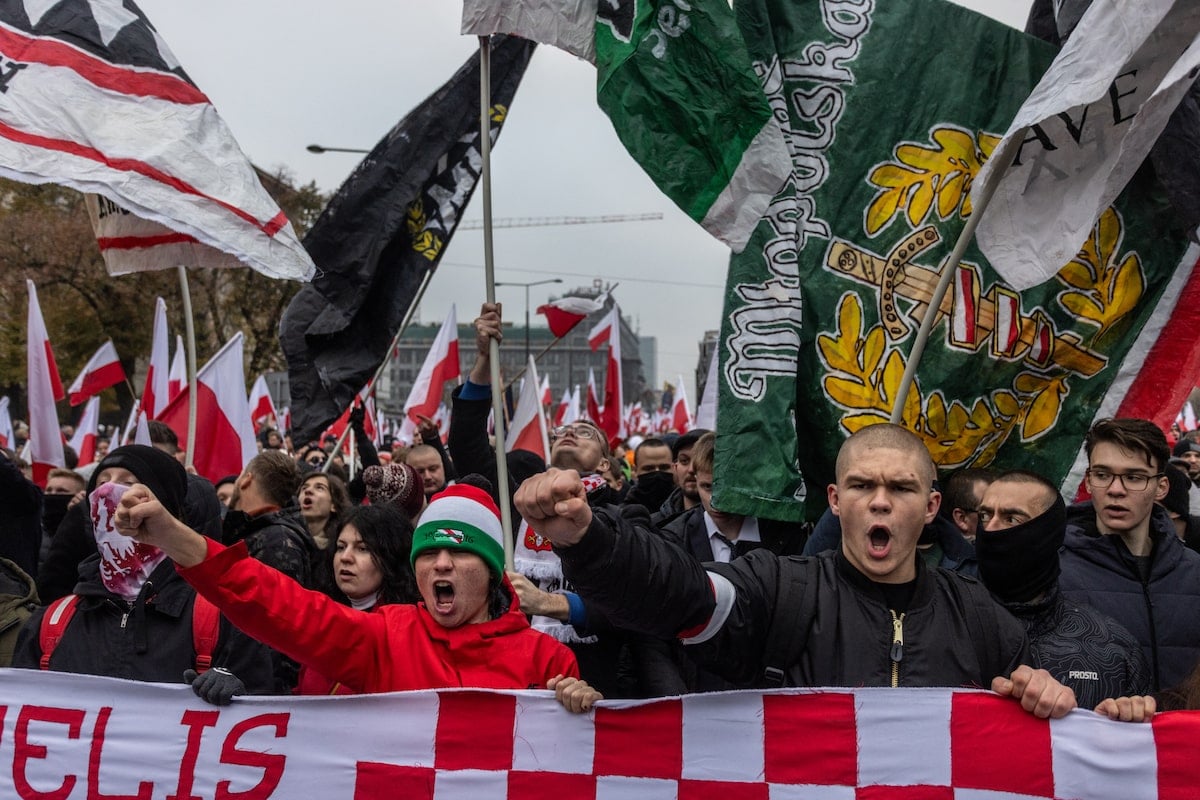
(284, 76)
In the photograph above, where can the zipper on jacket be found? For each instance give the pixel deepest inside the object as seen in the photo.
(897, 646)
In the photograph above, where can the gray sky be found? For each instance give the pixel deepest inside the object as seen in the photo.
(285, 76)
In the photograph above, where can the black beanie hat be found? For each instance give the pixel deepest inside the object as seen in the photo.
(1177, 499)
(160, 472)
(1185, 446)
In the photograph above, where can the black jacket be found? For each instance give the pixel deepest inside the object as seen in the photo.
(1083, 649)
(147, 640)
(279, 539)
(954, 634)
(1163, 612)
(18, 601)
(689, 532)
(669, 510)
(21, 518)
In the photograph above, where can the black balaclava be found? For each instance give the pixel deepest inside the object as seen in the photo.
(1019, 563)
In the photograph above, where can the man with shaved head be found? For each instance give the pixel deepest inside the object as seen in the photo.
(869, 614)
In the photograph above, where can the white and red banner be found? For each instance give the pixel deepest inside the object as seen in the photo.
(44, 388)
(74, 737)
(608, 330)
(564, 314)
(155, 392)
(92, 98)
(86, 433)
(224, 434)
(7, 439)
(178, 376)
(441, 366)
(681, 414)
(261, 407)
(101, 371)
(527, 429)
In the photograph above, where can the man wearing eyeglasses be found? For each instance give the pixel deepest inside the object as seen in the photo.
(1121, 555)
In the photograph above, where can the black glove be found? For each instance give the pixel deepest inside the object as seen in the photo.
(217, 686)
(358, 416)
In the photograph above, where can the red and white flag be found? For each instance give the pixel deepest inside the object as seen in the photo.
(224, 434)
(443, 421)
(154, 394)
(609, 330)
(261, 407)
(100, 103)
(101, 371)
(7, 438)
(285, 420)
(564, 314)
(560, 414)
(441, 366)
(45, 437)
(178, 375)
(593, 399)
(84, 440)
(681, 414)
(527, 430)
(546, 398)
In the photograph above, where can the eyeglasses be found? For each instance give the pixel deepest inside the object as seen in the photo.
(1134, 482)
(578, 431)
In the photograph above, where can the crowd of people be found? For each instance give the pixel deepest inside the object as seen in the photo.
(299, 576)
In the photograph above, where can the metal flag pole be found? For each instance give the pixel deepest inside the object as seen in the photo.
(489, 272)
(934, 309)
(190, 333)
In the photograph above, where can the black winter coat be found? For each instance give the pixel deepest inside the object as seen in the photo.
(147, 640)
(1163, 613)
(1083, 649)
(954, 633)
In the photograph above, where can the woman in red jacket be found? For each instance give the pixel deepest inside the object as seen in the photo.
(467, 631)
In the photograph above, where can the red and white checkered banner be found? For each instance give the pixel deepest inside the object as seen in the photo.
(67, 737)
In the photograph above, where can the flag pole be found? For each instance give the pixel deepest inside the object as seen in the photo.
(190, 332)
(948, 268)
(408, 315)
(489, 272)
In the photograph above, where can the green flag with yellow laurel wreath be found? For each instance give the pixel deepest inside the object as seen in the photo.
(889, 109)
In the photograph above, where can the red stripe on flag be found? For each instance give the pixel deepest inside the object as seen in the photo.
(375, 781)
(723, 790)
(95, 382)
(1167, 373)
(810, 739)
(138, 242)
(986, 732)
(218, 450)
(474, 731)
(1178, 767)
(55, 381)
(626, 746)
(549, 784)
(132, 165)
(21, 47)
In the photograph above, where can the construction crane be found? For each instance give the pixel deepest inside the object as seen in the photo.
(539, 222)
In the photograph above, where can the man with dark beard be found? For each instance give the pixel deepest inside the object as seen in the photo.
(1022, 523)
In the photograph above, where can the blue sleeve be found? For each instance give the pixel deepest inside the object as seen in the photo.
(475, 391)
(577, 615)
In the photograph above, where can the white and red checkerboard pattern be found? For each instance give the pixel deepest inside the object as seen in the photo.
(870, 744)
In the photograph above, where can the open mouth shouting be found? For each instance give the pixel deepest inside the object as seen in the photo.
(880, 542)
(443, 593)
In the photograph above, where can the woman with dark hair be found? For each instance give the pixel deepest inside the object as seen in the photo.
(323, 502)
(369, 566)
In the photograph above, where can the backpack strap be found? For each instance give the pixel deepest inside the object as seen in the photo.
(54, 625)
(795, 610)
(206, 621)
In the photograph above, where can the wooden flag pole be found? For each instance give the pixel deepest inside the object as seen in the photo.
(489, 271)
(190, 332)
(933, 310)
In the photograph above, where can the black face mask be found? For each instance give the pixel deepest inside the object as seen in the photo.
(54, 508)
(1019, 563)
(652, 489)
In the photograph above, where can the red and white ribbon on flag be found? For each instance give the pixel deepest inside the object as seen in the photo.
(125, 737)
(101, 371)
(441, 366)
(44, 388)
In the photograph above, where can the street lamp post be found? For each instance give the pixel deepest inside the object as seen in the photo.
(527, 285)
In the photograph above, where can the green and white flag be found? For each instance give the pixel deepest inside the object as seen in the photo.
(676, 81)
(889, 111)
